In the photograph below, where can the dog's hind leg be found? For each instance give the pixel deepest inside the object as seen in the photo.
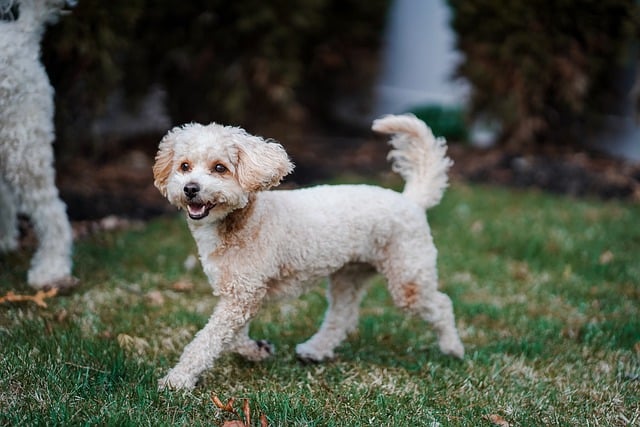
(344, 292)
(8, 219)
(254, 350)
(413, 282)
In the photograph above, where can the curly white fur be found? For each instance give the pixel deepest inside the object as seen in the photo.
(255, 245)
(27, 176)
(418, 157)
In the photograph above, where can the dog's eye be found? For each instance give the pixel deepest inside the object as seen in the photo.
(184, 167)
(220, 168)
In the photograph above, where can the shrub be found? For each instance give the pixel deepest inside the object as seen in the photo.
(244, 62)
(447, 122)
(541, 67)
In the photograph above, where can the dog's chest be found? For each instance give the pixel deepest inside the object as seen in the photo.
(208, 242)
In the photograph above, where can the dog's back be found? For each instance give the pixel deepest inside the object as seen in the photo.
(319, 229)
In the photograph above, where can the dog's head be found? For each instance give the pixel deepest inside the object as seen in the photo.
(211, 170)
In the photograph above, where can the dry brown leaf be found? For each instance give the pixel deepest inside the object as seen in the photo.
(497, 420)
(154, 298)
(132, 343)
(247, 411)
(38, 298)
(182, 286)
(228, 407)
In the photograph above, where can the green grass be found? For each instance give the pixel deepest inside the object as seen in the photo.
(545, 292)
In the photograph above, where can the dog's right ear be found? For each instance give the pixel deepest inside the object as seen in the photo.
(164, 162)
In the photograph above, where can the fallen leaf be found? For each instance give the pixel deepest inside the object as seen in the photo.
(497, 420)
(247, 412)
(155, 298)
(228, 407)
(38, 298)
(182, 286)
(132, 343)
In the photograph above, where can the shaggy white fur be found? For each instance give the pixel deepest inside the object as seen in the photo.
(255, 245)
(27, 176)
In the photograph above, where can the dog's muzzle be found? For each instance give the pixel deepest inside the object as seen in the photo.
(195, 207)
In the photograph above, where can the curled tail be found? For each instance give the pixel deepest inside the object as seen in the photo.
(419, 157)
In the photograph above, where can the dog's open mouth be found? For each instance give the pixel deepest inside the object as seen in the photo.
(199, 210)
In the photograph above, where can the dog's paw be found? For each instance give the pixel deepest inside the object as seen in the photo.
(265, 349)
(177, 381)
(308, 354)
(257, 351)
(64, 286)
(452, 346)
(41, 277)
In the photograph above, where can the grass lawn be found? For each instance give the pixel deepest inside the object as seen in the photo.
(545, 289)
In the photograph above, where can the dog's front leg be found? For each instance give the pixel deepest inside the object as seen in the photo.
(229, 317)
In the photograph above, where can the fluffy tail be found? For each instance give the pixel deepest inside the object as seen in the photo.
(419, 157)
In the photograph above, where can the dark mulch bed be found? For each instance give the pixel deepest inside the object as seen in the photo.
(575, 173)
(121, 182)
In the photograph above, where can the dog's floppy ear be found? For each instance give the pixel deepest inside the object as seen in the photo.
(261, 164)
(164, 162)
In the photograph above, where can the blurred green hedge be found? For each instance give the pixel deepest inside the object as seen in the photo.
(543, 68)
(244, 62)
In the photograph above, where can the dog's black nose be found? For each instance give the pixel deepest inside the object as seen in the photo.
(191, 190)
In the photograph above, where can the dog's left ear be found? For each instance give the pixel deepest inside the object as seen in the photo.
(261, 164)
(164, 162)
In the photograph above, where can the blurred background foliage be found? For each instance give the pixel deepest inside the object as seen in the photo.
(542, 68)
(539, 68)
(245, 62)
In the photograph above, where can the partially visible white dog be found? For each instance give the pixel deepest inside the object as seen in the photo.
(27, 175)
(255, 245)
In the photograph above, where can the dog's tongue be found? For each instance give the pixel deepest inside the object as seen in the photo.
(196, 209)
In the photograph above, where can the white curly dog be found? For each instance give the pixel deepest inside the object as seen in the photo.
(27, 175)
(255, 245)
